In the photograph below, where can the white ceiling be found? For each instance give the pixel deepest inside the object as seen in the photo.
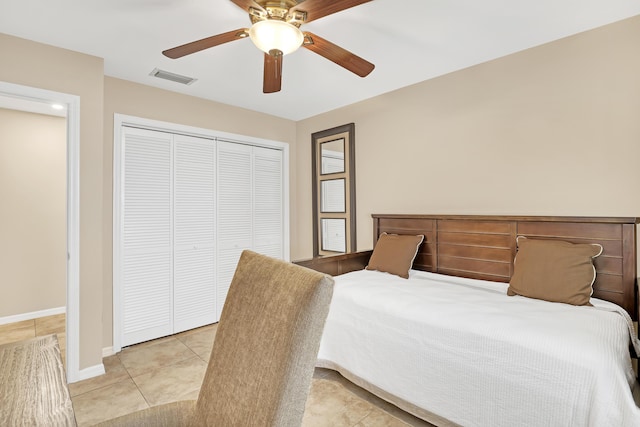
(409, 41)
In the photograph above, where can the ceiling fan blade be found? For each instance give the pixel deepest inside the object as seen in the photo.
(197, 46)
(316, 9)
(335, 53)
(246, 4)
(272, 81)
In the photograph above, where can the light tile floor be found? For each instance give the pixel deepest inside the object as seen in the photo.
(26, 329)
(172, 368)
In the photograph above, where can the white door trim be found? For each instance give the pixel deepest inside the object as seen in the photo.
(120, 120)
(72, 103)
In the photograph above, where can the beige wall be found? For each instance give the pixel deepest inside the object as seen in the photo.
(37, 65)
(124, 97)
(42, 66)
(33, 234)
(554, 130)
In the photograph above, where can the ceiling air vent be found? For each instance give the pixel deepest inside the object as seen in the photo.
(161, 74)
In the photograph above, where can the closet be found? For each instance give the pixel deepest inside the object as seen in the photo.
(188, 206)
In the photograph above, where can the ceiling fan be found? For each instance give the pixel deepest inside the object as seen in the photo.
(276, 31)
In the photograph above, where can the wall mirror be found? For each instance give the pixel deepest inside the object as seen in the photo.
(333, 169)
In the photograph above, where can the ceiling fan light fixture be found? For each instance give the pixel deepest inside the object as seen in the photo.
(271, 34)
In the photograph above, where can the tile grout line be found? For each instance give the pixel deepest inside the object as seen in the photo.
(140, 391)
(162, 367)
(362, 419)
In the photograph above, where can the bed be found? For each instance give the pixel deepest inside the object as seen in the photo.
(451, 347)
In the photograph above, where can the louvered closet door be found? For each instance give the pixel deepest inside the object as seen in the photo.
(146, 269)
(194, 232)
(268, 202)
(234, 221)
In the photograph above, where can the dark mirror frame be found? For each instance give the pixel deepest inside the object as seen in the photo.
(330, 143)
(343, 200)
(348, 133)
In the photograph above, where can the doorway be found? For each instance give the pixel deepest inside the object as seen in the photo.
(72, 105)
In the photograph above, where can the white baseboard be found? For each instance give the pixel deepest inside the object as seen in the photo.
(32, 315)
(107, 351)
(90, 372)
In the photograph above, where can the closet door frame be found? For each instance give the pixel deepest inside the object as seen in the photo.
(119, 122)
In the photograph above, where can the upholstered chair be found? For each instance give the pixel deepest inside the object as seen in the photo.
(263, 357)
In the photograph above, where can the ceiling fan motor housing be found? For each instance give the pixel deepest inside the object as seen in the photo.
(276, 31)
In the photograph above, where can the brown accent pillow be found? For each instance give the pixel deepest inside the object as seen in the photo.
(554, 270)
(395, 253)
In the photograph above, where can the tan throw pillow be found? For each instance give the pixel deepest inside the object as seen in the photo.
(395, 253)
(554, 270)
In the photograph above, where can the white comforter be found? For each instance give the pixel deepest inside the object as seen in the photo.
(464, 350)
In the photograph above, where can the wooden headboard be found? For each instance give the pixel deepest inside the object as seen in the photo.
(483, 247)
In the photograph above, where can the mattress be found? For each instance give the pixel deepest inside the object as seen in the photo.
(460, 351)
